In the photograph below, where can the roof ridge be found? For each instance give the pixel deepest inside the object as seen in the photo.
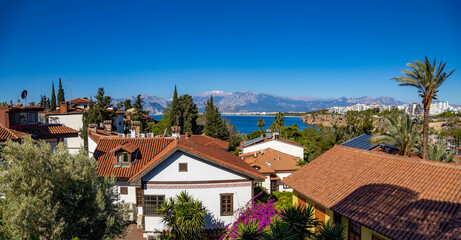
(430, 162)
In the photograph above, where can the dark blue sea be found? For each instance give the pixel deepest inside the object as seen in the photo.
(247, 124)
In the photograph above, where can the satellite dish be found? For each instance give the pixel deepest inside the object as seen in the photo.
(24, 94)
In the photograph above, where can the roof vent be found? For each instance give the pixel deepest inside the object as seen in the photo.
(256, 154)
(268, 163)
(278, 158)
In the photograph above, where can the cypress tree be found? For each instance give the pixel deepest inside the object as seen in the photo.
(53, 98)
(175, 114)
(215, 126)
(60, 93)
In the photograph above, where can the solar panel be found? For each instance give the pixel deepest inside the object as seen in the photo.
(360, 142)
(259, 139)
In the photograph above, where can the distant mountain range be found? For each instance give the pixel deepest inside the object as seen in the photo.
(240, 102)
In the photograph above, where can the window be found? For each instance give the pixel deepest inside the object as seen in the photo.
(183, 167)
(227, 204)
(320, 213)
(123, 190)
(273, 185)
(23, 117)
(123, 157)
(354, 230)
(374, 237)
(33, 117)
(258, 184)
(152, 204)
(139, 196)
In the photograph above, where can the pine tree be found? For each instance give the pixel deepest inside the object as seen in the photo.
(138, 114)
(97, 113)
(60, 93)
(53, 98)
(188, 114)
(215, 126)
(127, 104)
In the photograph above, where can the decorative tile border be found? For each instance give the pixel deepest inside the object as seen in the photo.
(197, 186)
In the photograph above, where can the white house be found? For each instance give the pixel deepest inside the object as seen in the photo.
(274, 165)
(71, 117)
(152, 169)
(281, 145)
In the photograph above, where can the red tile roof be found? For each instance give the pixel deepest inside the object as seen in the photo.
(69, 111)
(37, 108)
(217, 156)
(209, 141)
(398, 197)
(129, 147)
(44, 131)
(148, 149)
(8, 133)
(79, 101)
(281, 140)
(272, 160)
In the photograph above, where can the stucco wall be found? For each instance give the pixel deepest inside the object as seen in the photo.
(91, 146)
(73, 121)
(276, 145)
(365, 233)
(194, 181)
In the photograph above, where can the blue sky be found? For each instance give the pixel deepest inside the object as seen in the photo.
(291, 48)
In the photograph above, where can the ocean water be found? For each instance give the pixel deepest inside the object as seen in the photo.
(247, 124)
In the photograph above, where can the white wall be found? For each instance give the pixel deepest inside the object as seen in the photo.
(131, 196)
(210, 197)
(208, 193)
(74, 121)
(198, 170)
(119, 124)
(91, 146)
(280, 146)
(283, 175)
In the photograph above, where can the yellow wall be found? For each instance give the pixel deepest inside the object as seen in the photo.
(366, 233)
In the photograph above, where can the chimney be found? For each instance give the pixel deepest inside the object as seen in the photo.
(63, 107)
(187, 135)
(135, 128)
(93, 127)
(175, 131)
(108, 125)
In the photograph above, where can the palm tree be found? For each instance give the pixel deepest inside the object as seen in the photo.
(438, 152)
(400, 134)
(300, 221)
(427, 80)
(279, 122)
(185, 216)
(261, 124)
(331, 232)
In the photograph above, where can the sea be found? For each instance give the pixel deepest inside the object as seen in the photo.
(248, 124)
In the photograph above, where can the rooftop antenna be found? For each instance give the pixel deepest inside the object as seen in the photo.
(24, 96)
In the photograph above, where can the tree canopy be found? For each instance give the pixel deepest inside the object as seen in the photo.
(97, 113)
(61, 97)
(215, 126)
(53, 98)
(52, 194)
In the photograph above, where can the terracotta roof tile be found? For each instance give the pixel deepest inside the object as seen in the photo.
(218, 156)
(129, 147)
(41, 131)
(273, 160)
(8, 133)
(80, 101)
(399, 197)
(209, 141)
(148, 149)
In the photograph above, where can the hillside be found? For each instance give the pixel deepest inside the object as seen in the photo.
(240, 102)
